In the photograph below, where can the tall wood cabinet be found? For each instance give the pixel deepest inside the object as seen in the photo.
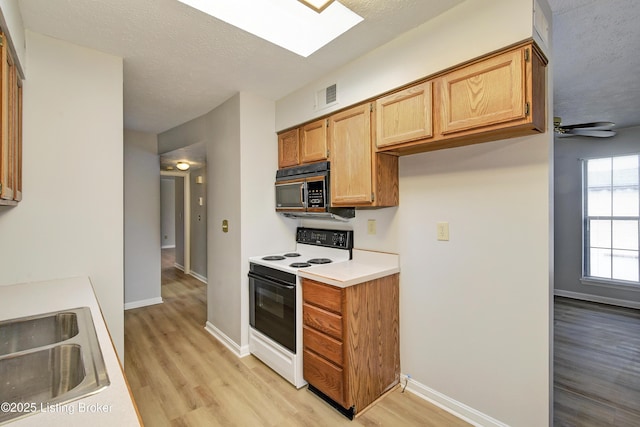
(351, 340)
(10, 127)
(359, 176)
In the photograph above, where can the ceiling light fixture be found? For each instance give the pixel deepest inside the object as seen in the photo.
(289, 24)
(317, 5)
(183, 166)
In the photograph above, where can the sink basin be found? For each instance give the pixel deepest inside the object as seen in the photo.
(49, 359)
(41, 375)
(37, 331)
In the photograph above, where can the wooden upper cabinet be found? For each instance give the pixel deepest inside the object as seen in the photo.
(496, 92)
(313, 142)
(404, 116)
(359, 175)
(351, 167)
(288, 149)
(501, 95)
(10, 127)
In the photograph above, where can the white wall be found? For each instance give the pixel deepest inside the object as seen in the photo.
(242, 158)
(70, 222)
(475, 311)
(263, 230)
(141, 219)
(12, 18)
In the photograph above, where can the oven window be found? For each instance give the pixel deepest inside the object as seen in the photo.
(271, 302)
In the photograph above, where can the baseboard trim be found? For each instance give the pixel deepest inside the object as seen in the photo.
(199, 277)
(168, 247)
(240, 351)
(596, 298)
(179, 266)
(460, 410)
(142, 303)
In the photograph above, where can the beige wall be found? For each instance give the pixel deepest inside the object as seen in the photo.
(475, 311)
(70, 222)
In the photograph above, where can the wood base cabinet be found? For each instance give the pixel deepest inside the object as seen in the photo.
(351, 340)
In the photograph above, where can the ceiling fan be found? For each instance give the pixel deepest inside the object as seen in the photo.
(593, 129)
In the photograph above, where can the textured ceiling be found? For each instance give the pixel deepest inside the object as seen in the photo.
(180, 63)
(595, 61)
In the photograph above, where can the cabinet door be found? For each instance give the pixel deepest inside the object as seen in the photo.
(7, 148)
(404, 116)
(288, 149)
(484, 93)
(313, 145)
(351, 167)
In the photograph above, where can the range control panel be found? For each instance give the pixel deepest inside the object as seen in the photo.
(342, 239)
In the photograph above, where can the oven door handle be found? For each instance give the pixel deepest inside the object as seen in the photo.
(271, 281)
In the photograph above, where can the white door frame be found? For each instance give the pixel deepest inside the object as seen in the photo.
(187, 216)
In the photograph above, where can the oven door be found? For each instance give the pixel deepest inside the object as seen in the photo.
(273, 308)
(290, 195)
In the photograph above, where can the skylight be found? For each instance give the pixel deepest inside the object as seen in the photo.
(287, 23)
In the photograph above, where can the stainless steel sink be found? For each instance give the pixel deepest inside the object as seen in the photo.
(49, 359)
(37, 331)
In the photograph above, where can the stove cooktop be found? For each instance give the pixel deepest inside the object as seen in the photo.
(313, 247)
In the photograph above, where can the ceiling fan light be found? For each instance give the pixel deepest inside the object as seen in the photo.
(317, 5)
(183, 166)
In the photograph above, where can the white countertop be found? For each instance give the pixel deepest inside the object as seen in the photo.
(110, 406)
(364, 266)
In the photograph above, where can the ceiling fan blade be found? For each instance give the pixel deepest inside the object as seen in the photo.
(590, 126)
(590, 132)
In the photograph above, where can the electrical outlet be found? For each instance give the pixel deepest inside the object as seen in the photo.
(371, 226)
(443, 231)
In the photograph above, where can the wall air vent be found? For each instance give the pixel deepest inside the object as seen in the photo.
(326, 97)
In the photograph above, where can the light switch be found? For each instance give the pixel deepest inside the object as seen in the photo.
(443, 231)
(371, 226)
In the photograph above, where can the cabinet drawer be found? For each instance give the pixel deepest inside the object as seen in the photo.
(323, 345)
(324, 296)
(323, 321)
(324, 376)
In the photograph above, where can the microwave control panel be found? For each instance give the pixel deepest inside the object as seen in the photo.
(315, 194)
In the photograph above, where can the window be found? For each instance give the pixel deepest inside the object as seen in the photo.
(611, 226)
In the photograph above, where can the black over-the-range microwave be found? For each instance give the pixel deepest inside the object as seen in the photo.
(303, 191)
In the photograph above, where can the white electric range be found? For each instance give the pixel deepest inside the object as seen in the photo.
(275, 297)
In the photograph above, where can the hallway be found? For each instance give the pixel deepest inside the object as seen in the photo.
(182, 376)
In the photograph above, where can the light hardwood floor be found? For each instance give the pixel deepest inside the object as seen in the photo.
(182, 376)
(596, 365)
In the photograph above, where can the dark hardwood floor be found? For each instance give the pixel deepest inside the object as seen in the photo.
(182, 376)
(596, 364)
